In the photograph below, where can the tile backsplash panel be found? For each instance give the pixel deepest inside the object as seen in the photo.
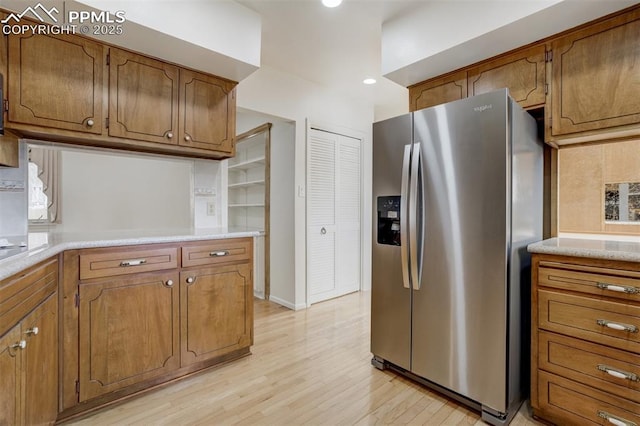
(583, 172)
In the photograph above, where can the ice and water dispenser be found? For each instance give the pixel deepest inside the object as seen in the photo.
(389, 220)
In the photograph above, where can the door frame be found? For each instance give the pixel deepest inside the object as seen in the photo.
(364, 206)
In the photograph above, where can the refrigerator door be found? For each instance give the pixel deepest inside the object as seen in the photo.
(459, 311)
(390, 294)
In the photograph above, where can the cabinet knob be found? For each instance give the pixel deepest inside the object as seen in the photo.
(187, 138)
(90, 123)
(32, 330)
(20, 345)
(190, 280)
(169, 283)
(169, 135)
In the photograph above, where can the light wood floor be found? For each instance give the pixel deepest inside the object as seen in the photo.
(310, 367)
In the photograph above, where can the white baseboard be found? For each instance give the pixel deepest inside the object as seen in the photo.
(258, 294)
(287, 304)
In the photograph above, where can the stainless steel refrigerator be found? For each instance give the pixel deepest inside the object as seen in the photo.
(457, 193)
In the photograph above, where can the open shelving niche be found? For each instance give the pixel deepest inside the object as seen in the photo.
(248, 194)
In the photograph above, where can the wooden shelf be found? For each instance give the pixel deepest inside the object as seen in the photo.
(249, 164)
(246, 184)
(246, 205)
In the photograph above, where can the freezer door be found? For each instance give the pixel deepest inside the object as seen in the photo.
(390, 295)
(459, 311)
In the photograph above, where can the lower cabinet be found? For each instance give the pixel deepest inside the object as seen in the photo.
(585, 346)
(129, 331)
(149, 314)
(216, 305)
(10, 373)
(40, 363)
(28, 351)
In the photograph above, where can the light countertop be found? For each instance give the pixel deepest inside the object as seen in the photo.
(627, 249)
(43, 245)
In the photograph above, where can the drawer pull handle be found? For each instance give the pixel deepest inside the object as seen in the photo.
(134, 262)
(219, 253)
(619, 288)
(618, 373)
(32, 330)
(615, 420)
(616, 326)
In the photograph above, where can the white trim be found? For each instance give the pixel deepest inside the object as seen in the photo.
(287, 304)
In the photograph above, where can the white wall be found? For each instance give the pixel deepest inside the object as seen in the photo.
(111, 191)
(285, 95)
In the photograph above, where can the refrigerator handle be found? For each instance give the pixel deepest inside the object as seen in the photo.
(413, 218)
(404, 208)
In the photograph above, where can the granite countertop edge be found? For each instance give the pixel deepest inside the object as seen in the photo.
(22, 261)
(625, 251)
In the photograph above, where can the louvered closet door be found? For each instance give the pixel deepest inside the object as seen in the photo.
(333, 215)
(348, 216)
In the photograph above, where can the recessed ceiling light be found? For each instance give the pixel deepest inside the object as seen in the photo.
(369, 81)
(331, 3)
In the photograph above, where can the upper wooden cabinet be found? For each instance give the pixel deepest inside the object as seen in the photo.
(435, 92)
(71, 89)
(207, 117)
(56, 82)
(596, 78)
(143, 98)
(523, 73)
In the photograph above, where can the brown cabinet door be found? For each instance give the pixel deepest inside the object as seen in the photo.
(143, 98)
(596, 77)
(128, 331)
(10, 367)
(523, 73)
(208, 111)
(55, 81)
(40, 363)
(216, 306)
(438, 91)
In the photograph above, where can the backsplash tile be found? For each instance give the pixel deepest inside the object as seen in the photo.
(588, 193)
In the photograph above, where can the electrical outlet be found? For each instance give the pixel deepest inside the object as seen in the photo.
(211, 208)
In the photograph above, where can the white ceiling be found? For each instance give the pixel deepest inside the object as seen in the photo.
(336, 48)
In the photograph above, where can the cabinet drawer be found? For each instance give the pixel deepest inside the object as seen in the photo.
(611, 323)
(620, 284)
(610, 370)
(221, 251)
(101, 263)
(569, 403)
(21, 293)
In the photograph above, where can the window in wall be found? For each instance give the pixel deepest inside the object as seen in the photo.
(43, 184)
(622, 202)
(38, 200)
